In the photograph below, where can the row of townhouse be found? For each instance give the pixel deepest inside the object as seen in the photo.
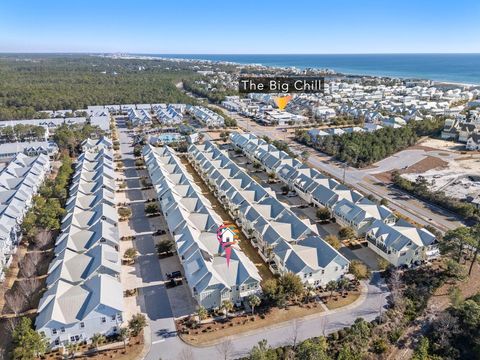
(84, 295)
(139, 117)
(169, 115)
(19, 182)
(193, 225)
(405, 244)
(284, 241)
(29, 148)
(206, 116)
(49, 124)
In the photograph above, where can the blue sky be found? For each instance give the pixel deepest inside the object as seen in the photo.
(247, 26)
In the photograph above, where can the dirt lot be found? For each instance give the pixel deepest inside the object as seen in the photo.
(428, 163)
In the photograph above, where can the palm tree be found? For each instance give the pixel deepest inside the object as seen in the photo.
(342, 284)
(124, 335)
(253, 301)
(331, 286)
(97, 339)
(72, 348)
(202, 313)
(227, 306)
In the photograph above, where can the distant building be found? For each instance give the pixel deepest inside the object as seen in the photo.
(33, 148)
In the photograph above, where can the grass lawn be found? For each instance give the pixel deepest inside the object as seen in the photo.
(341, 301)
(244, 324)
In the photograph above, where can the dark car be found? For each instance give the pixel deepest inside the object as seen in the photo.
(174, 275)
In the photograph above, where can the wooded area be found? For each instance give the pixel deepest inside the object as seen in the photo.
(361, 149)
(49, 82)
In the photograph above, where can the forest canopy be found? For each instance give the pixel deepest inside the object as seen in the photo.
(35, 83)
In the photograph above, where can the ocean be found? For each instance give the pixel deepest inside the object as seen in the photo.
(455, 68)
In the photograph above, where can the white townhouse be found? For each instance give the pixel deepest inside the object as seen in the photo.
(266, 221)
(49, 124)
(169, 115)
(348, 206)
(84, 295)
(140, 117)
(359, 216)
(206, 116)
(312, 259)
(70, 313)
(402, 244)
(19, 182)
(193, 225)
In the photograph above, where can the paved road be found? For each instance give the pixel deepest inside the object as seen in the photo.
(155, 303)
(362, 180)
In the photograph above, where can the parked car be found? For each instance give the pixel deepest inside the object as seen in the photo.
(174, 275)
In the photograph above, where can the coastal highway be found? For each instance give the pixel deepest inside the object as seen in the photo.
(406, 205)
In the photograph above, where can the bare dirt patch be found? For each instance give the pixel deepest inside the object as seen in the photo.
(428, 163)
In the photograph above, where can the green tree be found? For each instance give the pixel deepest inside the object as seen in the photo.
(137, 323)
(124, 212)
(346, 233)
(151, 208)
(270, 289)
(124, 335)
(254, 301)
(312, 349)
(421, 351)
(333, 241)
(323, 214)
(331, 286)
(72, 348)
(455, 295)
(455, 241)
(97, 340)
(291, 285)
(27, 343)
(379, 346)
(226, 306)
(262, 351)
(165, 246)
(359, 270)
(131, 254)
(202, 313)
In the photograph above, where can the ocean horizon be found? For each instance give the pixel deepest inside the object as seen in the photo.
(451, 68)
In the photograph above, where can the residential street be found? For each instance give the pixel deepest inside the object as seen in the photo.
(154, 302)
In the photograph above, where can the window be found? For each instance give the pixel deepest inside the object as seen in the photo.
(62, 329)
(114, 317)
(103, 320)
(77, 337)
(310, 274)
(54, 331)
(72, 338)
(57, 342)
(82, 324)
